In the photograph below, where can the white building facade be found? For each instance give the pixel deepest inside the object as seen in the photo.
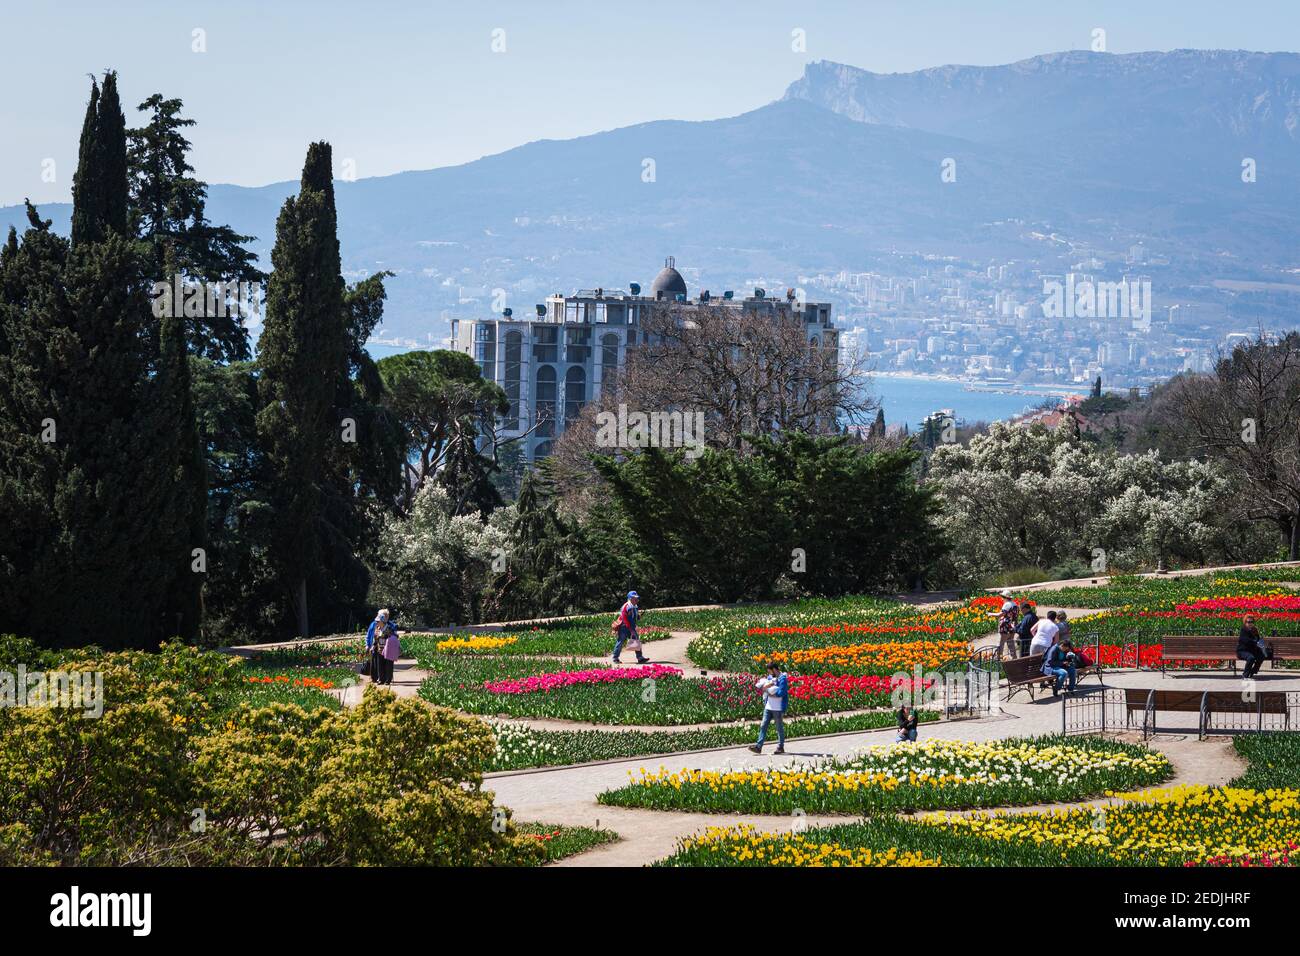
(553, 362)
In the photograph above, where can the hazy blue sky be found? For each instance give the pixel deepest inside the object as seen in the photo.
(412, 85)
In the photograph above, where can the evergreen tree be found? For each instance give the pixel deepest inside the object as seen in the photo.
(99, 196)
(303, 357)
(189, 489)
(878, 426)
(168, 212)
(93, 511)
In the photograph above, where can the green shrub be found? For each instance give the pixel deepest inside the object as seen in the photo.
(388, 783)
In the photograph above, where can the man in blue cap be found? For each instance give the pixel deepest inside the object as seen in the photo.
(625, 629)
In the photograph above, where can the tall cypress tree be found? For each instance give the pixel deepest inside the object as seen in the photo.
(303, 357)
(99, 195)
(93, 484)
(188, 498)
(87, 203)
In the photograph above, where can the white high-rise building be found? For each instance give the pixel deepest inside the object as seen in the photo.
(551, 363)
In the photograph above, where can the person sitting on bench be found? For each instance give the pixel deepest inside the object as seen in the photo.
(1059, 662)
(1251, 648)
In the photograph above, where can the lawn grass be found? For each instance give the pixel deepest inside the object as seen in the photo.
(1273, 760)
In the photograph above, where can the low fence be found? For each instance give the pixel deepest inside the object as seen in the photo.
(1112, 710)
(967, 688)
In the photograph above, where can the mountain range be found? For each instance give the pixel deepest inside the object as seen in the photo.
(1058, 152)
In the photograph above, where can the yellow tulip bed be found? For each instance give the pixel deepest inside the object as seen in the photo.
(1176, 826)
(935, 774)
(1165, 827)
(744, 845)
(462, 645)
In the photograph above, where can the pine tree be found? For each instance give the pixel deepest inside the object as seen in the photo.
(302, 354)
(168, 211)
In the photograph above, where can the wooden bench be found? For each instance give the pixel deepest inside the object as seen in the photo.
(1027, 673)
(1206, 703)
(1208, 647)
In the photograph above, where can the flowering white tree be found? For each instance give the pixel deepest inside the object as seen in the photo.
(1020, 496)
(436, 565)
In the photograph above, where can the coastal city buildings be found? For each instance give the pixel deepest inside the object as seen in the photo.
(556, 359)
(1014, 325)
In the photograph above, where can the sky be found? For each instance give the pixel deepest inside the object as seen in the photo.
(400, 85)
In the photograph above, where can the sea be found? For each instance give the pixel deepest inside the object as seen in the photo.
(907, 399)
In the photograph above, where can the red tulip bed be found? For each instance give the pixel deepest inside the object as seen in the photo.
(1132, 635)
(653, 695)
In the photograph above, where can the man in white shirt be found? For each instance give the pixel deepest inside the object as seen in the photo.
(775, 688)
(1045, 632)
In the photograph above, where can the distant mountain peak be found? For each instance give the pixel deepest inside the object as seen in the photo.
(1187, 94)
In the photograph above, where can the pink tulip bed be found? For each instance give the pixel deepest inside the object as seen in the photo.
(651, 694)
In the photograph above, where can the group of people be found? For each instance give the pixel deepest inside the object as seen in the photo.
(1022, 633)
(382, 648)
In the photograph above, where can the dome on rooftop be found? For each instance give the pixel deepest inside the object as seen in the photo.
(669, 281)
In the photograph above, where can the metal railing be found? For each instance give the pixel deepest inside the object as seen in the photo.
(968, 687)
(1111, 710)
(1098, 710)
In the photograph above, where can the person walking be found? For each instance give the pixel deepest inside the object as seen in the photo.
(775, 688)
(906, 724)
(378, 627)
(1008, 618)
(1025, 629)
(1251, 648)
(625, 632)
(389, 651)
(1059, 663)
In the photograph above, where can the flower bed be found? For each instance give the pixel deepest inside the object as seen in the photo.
(660, 696)
(305, 686)
(1273, 761)
(544, 683)
(568, 641)
(477, 643)
(1168, 827)
(877, 658)
(1181, 826)
(1129, 589)
(930, 775)
(744, 845)
(520, 747)
(782, 633)
(559, 841)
